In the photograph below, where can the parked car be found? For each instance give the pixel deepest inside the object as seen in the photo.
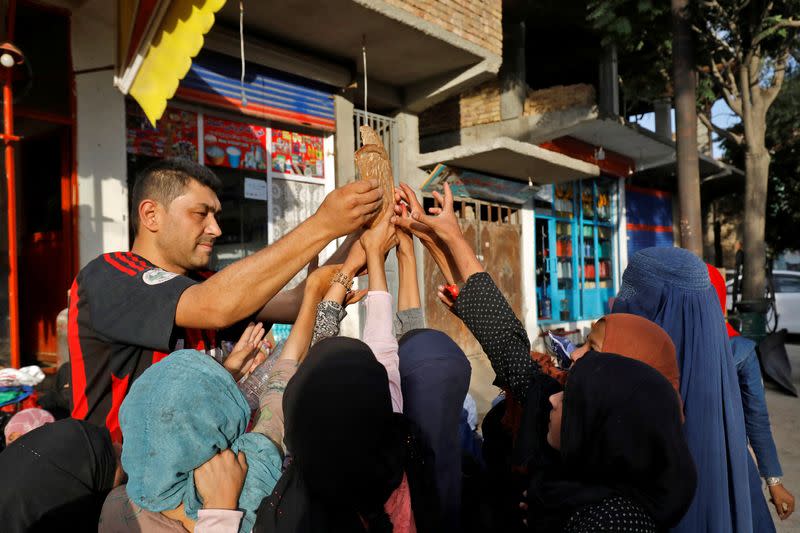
(787, 299)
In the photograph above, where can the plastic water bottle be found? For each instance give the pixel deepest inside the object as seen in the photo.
(253, 384)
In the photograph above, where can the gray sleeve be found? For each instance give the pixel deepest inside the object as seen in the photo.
(329, 315)
(407, 320)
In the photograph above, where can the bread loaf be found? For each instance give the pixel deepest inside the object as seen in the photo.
(373, 162)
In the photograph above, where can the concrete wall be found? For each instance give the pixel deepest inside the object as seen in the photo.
(481, 105)
(102, 173)
(477, 21)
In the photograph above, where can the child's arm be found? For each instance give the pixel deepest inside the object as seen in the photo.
(270, 417)
(409, 308)
(331, 310)
(378, 327)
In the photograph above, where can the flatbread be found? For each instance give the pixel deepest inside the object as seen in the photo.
(373, 162)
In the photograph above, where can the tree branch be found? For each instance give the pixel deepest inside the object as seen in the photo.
(747, 103)
(752, 72)
(722, 132)
(721, 43)
(777, 80)
(729, 90)
(788, 23)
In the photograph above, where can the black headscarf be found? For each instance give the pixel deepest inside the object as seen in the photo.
(349, 450)
(55, 477)
(435, 377)
(621, 435)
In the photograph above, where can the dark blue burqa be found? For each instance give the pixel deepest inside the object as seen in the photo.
(671, 287)
(435, 373)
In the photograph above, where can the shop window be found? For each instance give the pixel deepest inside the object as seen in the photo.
(246, 156)
(574, 233)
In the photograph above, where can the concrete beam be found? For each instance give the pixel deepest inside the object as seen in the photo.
(422, 95)
(513, 159)
(532, 129)
(513, 85)
(345, 140)
(608, 98)
(407, 131)
(226, 41)
(663, 116)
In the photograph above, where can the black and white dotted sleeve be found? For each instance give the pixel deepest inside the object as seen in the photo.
(329, 315)
(487, 314)
(612, 515)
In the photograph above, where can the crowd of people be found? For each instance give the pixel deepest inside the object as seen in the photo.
(644, 428)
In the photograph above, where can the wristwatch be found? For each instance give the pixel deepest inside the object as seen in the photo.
(343, 279)
(772, 481)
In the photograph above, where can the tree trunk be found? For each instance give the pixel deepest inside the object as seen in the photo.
(757, 161)
(686, 130)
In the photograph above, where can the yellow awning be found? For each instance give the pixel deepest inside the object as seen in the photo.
(165, 51)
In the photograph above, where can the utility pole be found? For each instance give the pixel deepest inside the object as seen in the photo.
(684, 83)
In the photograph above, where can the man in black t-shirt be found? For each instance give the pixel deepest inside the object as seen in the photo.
(128, 310)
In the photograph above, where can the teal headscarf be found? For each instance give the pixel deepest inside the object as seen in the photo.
(178, 415)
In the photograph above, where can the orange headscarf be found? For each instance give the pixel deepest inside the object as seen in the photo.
(638, 338)
(627, 335)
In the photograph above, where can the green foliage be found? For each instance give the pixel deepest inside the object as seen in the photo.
(783, 141)
(726, 33)
(642, 32)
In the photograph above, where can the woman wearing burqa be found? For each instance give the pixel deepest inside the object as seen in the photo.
(671, 287)
(356, 466)
(623, 464)
(56, 477)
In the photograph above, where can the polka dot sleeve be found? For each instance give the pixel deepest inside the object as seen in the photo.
(487, 314)
(612, 515)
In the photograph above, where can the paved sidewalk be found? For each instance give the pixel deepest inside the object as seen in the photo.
(784, 414)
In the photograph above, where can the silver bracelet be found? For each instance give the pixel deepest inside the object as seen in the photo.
(772, 481)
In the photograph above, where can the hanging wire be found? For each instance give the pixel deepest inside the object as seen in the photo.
(241, 50)
(364, 58)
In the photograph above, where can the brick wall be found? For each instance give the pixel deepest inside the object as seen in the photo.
(481, 105)
(558, 98)
(477, 21)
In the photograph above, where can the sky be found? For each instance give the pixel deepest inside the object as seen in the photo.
(721, 115)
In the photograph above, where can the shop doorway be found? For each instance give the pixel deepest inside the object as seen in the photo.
(44, 177)
(45, 233)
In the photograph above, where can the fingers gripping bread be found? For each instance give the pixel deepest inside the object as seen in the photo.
(373, 162)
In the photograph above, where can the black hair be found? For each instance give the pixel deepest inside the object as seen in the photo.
(165, 179)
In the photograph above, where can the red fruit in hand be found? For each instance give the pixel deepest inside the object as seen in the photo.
(452, 291)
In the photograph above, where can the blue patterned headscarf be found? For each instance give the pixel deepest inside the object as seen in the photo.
(670, 286)
(178, 415)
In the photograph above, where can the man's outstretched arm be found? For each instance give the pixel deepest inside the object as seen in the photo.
(284, 307)
(240, 290)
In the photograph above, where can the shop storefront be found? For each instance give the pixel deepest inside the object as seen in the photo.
(649, 214)
(576, 249)
(270, 140)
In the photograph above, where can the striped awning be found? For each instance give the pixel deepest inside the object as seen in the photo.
(157, 41)
(214, 79)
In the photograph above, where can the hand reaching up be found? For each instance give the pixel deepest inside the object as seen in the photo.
(405, 203)
(351, 206)
(377, 241)
(442, 220)
(242, 358)
(447, 244)
(380, 239)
